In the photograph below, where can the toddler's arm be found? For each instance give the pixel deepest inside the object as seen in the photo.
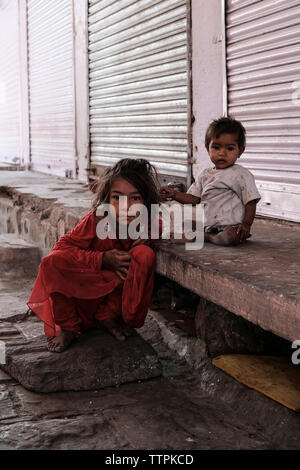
(183, 198)
(243, 229)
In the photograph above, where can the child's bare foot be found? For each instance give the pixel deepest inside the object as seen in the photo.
(182, 239)
(60, 342)
(113, 327)
(228, 237)
(126, 329)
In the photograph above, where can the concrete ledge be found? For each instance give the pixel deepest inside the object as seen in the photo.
(259, 281)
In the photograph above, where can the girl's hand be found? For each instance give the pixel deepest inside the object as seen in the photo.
(140, 241)
(117, 261)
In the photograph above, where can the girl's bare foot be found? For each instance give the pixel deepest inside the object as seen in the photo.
(113, 327)
(60, 342)
(126, 329)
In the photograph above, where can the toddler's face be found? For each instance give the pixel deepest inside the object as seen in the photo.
(122, 187)
(224, 150)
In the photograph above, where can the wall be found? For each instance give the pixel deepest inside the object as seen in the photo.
(209, 78)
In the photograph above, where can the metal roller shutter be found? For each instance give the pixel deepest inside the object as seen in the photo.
(263, 66)
(51, 103)
(138, 82)
(9, 83)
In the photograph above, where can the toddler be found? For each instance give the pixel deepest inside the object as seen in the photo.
(227, 191)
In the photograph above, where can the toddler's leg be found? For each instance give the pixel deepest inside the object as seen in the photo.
(66, 318)
(227, 237)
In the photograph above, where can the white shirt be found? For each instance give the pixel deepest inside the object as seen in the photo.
(224, 194)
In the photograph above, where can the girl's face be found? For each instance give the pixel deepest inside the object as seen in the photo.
(122, 187)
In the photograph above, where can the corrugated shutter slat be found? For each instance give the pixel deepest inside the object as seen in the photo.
(263, 70)
(51, 102)
(138, 82)
(9, 83)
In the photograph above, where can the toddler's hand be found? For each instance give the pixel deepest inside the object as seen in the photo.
(166, 192)
(243, 230)
(117, 261)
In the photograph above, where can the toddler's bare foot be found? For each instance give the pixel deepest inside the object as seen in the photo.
(112, 326)
(60, 342)
(228, 237)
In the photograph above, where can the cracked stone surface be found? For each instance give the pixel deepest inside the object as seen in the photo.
(95, 360)
(61, 434)
(180, 410)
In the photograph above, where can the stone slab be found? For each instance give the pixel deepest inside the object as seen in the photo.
(90, 433)
(12, 308)
(5, 378)
(18, 258)
(174, 422)
(166, 418)
(14, 294)
(6, 404)
(7, 329)
(94, 361)
(30, 328)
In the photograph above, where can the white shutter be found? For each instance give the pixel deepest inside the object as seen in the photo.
(138, 82)
(51, 103)
(263, 64)
(9, 83)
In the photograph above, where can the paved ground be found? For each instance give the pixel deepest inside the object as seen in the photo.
(184, 409)
(200, 408)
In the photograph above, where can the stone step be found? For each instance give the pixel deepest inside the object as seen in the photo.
(14, 294)
(96, 360)
(18, 258)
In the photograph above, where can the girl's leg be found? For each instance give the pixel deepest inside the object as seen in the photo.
(66, 318)
(109, 313)
(138, 286)
(127, 307)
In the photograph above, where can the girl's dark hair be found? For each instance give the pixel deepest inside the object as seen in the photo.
(138, 172)
(227, 125)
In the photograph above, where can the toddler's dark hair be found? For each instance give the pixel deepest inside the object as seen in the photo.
(138, 172)
(227, 125)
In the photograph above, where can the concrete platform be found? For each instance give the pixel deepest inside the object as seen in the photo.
(260, 281)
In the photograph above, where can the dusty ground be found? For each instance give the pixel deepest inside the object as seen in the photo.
(187, 408)
(184, 409)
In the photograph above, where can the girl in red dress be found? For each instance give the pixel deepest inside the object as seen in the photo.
(89, 282)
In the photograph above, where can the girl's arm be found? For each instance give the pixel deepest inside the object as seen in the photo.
(78, 241)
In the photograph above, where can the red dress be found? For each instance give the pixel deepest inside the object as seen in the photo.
(72, 290)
